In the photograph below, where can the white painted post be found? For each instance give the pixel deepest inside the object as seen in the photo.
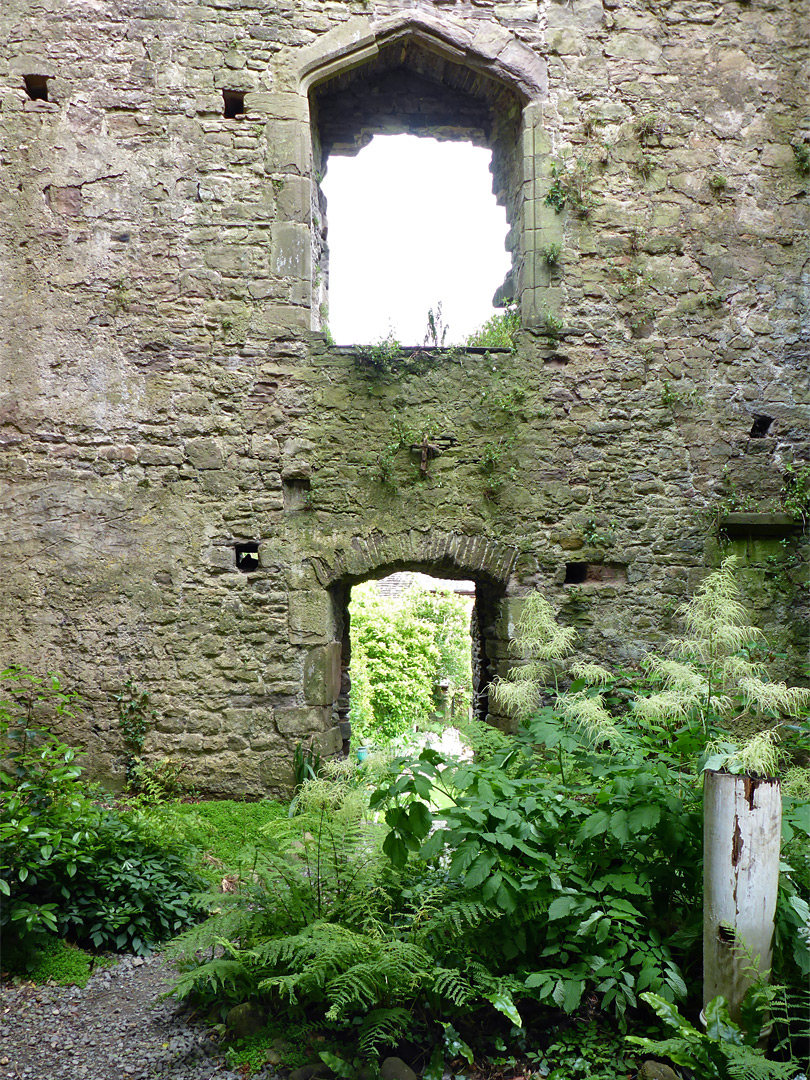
(741, 837)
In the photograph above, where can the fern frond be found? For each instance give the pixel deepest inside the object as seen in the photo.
(229, 978)
(383, 1027)
(744, 1063)
(391, 972)
(230, 923)
(483, 739)
(450, 984)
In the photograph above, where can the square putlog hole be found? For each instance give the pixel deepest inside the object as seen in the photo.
(760, 427)
(296, 494)
(36, 86)
(234, 104)
(582, 573)
(247, 556)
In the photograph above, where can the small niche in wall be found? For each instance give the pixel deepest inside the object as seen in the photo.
(296, 494)
(36, 86)
(760, 427)
(247, 556)
(233, 104)
(582, 573)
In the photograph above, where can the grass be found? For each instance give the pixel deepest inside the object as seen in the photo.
(228, 833)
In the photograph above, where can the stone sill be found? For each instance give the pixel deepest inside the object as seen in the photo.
(745, 524)
(480, 350)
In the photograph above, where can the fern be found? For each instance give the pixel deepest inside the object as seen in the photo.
(229, 922)
(345, 969)
(382, 1027)
(744, 1063)
(451, 985)
(453, 921)
(229, 978)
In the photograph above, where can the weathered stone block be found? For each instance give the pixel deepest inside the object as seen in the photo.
(290, 251)
(322, 674)
(310, 617)
(300, 721)
(289, 147)
(328, 743)
(204, 453)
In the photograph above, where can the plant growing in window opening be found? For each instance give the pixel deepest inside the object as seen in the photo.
(497, 332)
(436, 332)
(384, 358)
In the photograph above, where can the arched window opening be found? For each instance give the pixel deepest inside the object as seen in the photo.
(418, 655)
(408, 88)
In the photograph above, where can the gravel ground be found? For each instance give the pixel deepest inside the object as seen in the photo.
(116, 1028)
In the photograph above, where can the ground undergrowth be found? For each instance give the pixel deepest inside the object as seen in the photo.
(531, 908)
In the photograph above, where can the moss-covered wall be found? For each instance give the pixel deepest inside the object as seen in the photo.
(166, 395)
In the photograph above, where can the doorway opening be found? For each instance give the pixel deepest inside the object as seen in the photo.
(418, 655)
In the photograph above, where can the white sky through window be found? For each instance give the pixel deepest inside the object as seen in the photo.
(412, 221)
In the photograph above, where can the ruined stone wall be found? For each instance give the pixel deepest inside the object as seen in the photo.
(166, 395)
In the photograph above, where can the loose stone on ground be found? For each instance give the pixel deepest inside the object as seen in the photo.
(118, 1027)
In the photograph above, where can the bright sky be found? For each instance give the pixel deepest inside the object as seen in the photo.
(412, 221)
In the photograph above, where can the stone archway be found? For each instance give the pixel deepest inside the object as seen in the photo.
(488, 563)
(489, 48)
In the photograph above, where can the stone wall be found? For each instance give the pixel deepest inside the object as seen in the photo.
(168, 401)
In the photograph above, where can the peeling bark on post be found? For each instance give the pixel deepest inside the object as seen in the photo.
(741, 839)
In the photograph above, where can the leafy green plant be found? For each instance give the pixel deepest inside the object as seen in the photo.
(796, 492)
(551, 253)
(674, 396)
(57, 962)
(497, 332)
(550, 323)
(401, 649)
(801, 154)
(584, 1052)
(68, 866)
(436, 332)
(597, 535)
(307, 764)
(648, 126)
(135, 717)
(158, 781)
(645, 166)
(226, 836)
(722, 1052)
(566, 875)
(718, 182)
(384, 358)
(570, 181)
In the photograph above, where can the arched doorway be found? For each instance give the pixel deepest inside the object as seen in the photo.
(487, 564)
